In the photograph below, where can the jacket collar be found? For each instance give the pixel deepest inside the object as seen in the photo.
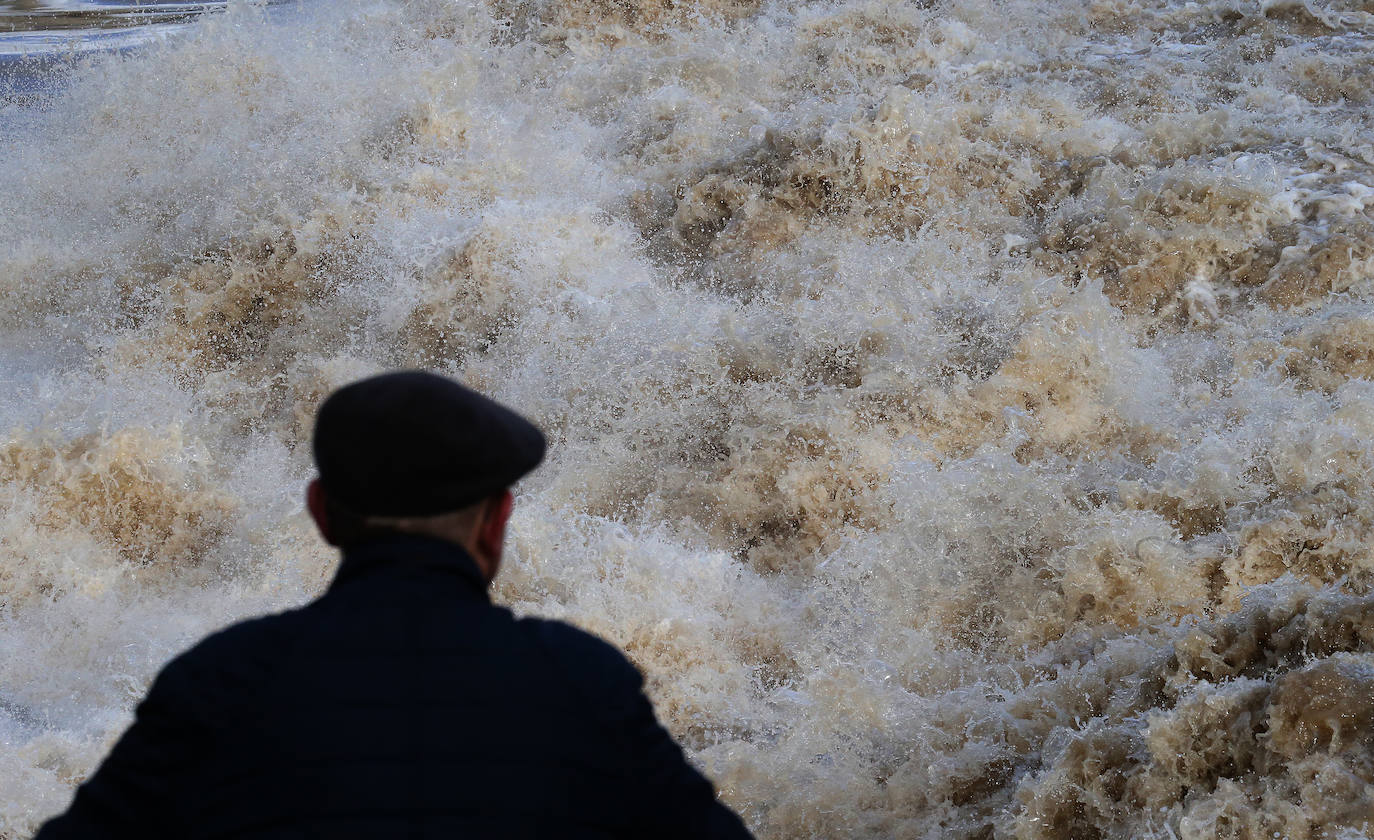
(395, 552)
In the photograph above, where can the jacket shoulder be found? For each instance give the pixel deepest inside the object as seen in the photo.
(597, 667)
(228, 664)
(247, 639)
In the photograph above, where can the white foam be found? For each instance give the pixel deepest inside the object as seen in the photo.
(936, 394)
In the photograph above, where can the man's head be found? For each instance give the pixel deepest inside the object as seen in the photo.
(412, 452)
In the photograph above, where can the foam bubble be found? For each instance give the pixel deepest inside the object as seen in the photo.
(960, 412)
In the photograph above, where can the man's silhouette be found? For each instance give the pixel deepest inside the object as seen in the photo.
(401, 703)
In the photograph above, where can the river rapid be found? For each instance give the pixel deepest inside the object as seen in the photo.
(960, 410)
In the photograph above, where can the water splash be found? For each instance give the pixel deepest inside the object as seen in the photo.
(960, 412)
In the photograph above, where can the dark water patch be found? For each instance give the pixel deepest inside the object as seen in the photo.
(44, 29)
(41, 16)
(20, 714)
(40, 41)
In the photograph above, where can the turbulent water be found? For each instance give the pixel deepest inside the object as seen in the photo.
(960, 410)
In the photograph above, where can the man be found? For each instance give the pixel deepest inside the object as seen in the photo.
(401, 703)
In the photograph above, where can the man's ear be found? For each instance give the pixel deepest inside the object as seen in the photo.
(491, 532)
(319, 509)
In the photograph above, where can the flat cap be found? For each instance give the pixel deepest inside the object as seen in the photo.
(412, 443)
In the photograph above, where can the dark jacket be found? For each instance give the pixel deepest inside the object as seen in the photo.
(401, 704)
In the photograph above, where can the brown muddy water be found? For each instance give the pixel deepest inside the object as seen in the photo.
(961, 411)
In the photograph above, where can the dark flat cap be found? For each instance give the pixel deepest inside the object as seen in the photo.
(415, 444)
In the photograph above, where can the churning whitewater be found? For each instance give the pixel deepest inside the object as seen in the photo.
(960, 410)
